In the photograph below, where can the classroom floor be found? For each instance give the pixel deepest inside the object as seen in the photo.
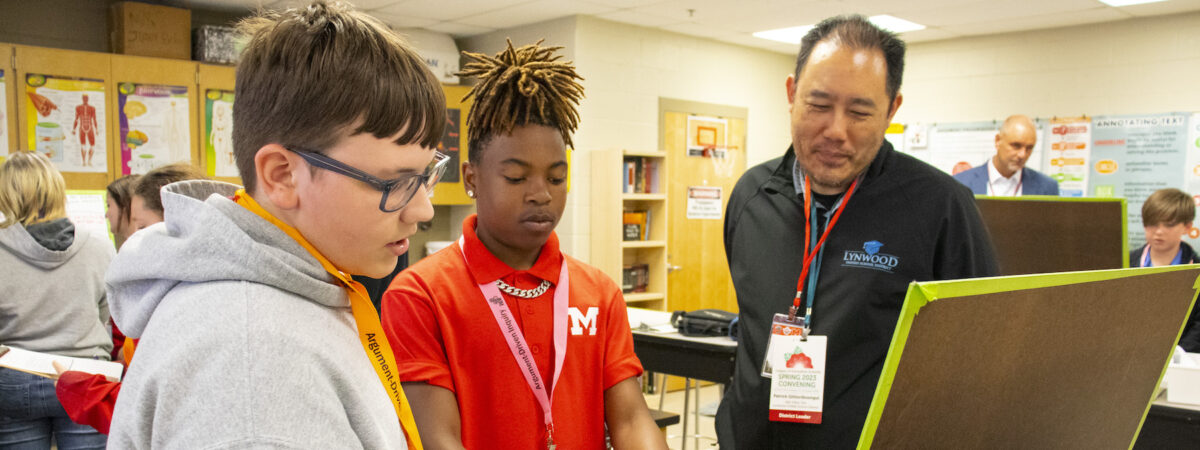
(673, 402)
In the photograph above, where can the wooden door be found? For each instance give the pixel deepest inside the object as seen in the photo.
(706, 154)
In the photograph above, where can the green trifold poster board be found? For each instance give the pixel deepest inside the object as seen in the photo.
(1065, 360)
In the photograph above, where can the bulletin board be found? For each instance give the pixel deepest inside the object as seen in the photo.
(1044, 361)
(8, 105)
(52, 126)
(450, 190)
(215, 111)
(153, 101)
(1044, 234)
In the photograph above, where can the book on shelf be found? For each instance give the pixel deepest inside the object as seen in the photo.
(635, 278)
(640, 175)
(635, 225)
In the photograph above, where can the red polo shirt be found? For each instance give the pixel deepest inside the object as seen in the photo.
(444, 333)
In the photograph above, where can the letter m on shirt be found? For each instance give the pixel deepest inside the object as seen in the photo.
(579, 321)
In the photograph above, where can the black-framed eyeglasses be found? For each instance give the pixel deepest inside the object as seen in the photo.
(397, 192)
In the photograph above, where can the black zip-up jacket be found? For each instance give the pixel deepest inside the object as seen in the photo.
(906, 222)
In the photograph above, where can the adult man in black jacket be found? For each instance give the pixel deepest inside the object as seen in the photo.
(904, 221)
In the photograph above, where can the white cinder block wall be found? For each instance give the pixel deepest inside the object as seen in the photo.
(1146, 65)
(627, 69)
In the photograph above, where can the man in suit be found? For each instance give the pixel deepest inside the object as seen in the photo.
(1005, 175)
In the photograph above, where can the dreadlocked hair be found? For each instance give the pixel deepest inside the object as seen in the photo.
(520, 86)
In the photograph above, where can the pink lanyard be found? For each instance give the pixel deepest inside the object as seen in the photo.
(516, 340)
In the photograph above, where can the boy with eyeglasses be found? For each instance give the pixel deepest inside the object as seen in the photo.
(252, 332)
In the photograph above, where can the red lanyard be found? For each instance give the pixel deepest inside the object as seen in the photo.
(810, 255)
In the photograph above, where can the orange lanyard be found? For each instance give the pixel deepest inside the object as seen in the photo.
(810, 255)
(370, 331)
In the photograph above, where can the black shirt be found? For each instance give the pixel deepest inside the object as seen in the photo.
(907, 221)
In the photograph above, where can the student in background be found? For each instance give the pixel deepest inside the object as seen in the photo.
(120, 194)
(53, 301)
(146, 204)
(1168, 215)
(550, 361)
(252, 333)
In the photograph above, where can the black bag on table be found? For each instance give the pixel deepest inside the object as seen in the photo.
(706, 322)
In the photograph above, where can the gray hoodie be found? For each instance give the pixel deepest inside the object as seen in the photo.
(53, 300)
(246, 342)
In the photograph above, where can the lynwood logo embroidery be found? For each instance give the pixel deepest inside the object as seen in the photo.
(870, 258)
(579, 320)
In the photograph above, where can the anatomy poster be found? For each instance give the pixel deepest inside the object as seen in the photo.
(67, 121)
(155, 127)
(3, 116)
(218, 133)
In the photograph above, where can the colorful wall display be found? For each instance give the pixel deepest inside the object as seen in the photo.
(1133, 156)
(155, 126)
(450, 145)
(1068, 150)
(218, 133)
(86, 210)
(3, 116)
(67, 121)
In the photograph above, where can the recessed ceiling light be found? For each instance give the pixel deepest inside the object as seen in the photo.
(895, 24)
(1120, 3)
(793, 35)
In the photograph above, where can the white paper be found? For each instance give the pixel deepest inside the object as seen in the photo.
(41, 364)
(704, 202)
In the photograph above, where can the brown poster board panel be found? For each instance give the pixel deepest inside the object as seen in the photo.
(1046, 361)
(8, 102)
(1056, 234)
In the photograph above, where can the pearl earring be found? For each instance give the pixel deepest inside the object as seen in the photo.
(470, 193)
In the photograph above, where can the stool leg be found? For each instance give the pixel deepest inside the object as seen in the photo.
(696, 414)
(687, 389)
(662, 390)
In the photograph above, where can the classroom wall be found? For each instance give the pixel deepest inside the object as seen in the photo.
(75, 24)
(627, 69)
(1144, 65)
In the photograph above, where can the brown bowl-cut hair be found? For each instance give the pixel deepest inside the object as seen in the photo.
(310, 76)
(149, 185)
(1168, 207)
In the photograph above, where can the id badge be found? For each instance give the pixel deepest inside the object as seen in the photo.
(798, 378)
(780, 327)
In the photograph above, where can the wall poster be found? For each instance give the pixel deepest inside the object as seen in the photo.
(218, 133)
(155, 126)
(67, 121)
(1068, 150)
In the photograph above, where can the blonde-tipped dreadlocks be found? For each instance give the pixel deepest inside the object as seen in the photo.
(521, 86)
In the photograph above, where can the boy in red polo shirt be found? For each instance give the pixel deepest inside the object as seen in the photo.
(479, 365)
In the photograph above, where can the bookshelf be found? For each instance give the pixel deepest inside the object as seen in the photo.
(629, 186)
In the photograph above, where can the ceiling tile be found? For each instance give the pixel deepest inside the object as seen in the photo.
(621, 4)
(533, 12)
(699, 30)
(1160, 8)
(402, 21)
(992, 10)
(928, 34)
(762, 44)
(1039, 22)
(447, 9)
(459, 30)
(637, 18)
